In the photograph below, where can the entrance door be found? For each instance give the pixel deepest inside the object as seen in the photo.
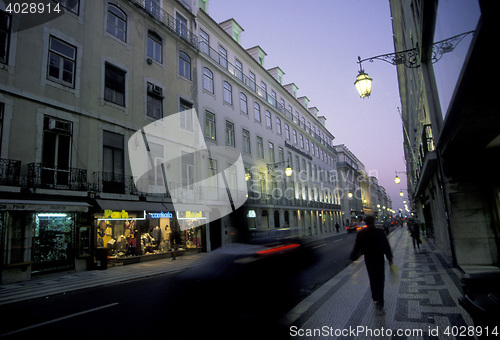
(53, 242)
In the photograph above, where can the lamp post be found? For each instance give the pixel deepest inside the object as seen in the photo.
(397, 180)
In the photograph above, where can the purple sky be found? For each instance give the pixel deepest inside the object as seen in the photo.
(317, 43)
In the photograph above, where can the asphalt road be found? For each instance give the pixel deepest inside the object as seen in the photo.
(160, 307)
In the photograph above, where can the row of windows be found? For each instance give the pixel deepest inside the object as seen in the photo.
(291, 134)
(230, 140)
(251, 82)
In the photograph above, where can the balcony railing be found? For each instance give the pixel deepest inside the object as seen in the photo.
(10, 171)
(173, 25)
(40, 176)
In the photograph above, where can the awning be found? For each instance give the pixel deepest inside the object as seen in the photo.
(117, 205)
(32, 205)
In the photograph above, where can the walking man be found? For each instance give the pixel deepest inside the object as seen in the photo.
(372, 243)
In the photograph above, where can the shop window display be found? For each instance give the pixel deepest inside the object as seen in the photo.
(142, 234)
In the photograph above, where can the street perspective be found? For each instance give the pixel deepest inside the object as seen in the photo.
(266, 169)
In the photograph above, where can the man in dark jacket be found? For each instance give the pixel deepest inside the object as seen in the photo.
(373, 243)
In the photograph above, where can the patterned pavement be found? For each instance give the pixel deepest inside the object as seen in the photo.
(421, 300)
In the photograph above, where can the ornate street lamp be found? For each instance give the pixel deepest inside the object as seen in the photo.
(288, 169)
(363, 82)
(408, 58)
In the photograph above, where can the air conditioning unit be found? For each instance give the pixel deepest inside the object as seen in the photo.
(155, 89)
(59, 125)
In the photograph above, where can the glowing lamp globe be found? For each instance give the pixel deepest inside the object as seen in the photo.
(363, 84)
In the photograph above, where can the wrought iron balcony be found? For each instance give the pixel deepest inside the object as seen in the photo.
(10, 171)
(40, 176)
(174, 26)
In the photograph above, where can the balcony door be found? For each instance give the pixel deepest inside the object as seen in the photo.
(56, 153)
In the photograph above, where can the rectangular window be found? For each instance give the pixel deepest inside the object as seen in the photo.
(243, 103)
(246, 141)
(229, 133)
(114, 85)
(239, 69)
(204, 42)
(271, 152)
(113, 168)
(153, 6)
(269, 122)
(287, 131)
(56, 152)
(260, 147)
(210, 125)
(281, 155)
(184, 65)
(155, 47)
(252, 80)
(5, 22)
(62, 61)
(208, 80)
(154, 101)
(278, 125)
(256, 111)
(185, 117)
(228, 93)
(222, 57)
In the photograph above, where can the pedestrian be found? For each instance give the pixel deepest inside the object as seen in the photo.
(337, 227)
(175, 242)
(415, 234)
(372, 243)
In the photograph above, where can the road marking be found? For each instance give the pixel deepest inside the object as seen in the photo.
(319, 246)
(338, 240)
(59, 319)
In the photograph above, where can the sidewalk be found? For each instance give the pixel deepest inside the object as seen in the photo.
(52, 284)
(421, 301)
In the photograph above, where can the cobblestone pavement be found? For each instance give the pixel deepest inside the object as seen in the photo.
(421, 300)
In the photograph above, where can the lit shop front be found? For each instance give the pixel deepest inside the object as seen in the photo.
(138, 235)
(42, 236)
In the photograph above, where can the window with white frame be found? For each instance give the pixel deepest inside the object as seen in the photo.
(243, 103)
(256, 112)
(287, 131)
(116, 22)
(228, 93)
(154, 101)
(155, 50)
(210, 125)
(222, 57)
(260, 147)
(61, 62)
(114, 84)
(185, 116)
(229, 133)
(153, 6)
(246, 141)
(269, 122)
(278, 125)
(208, 80)
(184, 65)
(271, 152)
(204, 42)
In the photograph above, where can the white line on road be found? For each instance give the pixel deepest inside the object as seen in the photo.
(59, 319)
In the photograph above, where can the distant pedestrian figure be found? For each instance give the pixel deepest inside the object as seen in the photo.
(337, 227)
(175, 242)
(415, 234)
(372, 243)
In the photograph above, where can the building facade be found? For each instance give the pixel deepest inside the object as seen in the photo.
(247, 106)
(446, 117)
(102, 71)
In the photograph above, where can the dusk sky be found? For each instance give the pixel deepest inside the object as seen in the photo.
(317, 43)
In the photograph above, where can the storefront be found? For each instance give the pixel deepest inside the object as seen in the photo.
(42, 236)
(139, 231)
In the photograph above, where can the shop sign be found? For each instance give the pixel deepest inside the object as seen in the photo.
(194, 214)
(110, 214)
(160, 215)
